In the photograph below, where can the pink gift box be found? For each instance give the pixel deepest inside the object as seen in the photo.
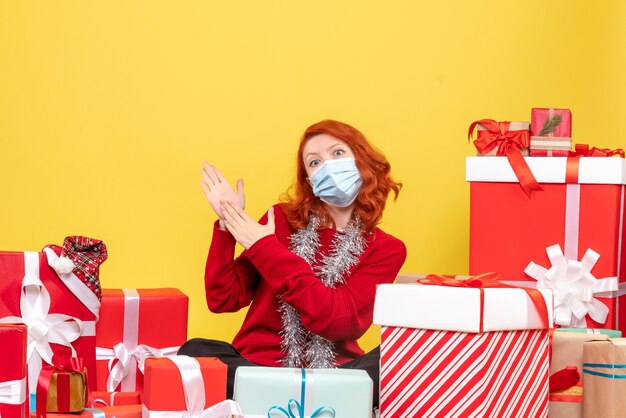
(550, 132)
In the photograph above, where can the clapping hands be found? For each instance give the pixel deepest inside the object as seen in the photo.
(246, 230)
(229, 203)
(217, 189)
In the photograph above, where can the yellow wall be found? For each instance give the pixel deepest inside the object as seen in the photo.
(108, 108)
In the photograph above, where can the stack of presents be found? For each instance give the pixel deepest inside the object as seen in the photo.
(534, 330)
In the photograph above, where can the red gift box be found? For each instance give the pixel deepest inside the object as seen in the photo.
(136, 324)
(13, 391)
(462, 351)
(580, 209)
(99, 399)
(59, 308)
(550, 132)
(166, 391)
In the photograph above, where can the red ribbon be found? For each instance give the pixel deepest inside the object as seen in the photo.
(583, 150)
(489, 280)
(564, 379)
(509, 143)
(63, 366)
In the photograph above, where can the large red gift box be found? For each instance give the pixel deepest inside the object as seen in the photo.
(181, 386)
(454, 351)
(13, 391)
(567, 237)
(58, 307)
(136, 324)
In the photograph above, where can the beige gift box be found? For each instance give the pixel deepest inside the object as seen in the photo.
(604, 368)
(567, 350)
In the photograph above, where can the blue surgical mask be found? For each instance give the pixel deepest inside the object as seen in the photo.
(337, 182)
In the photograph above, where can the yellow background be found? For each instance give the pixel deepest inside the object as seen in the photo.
(108, 108)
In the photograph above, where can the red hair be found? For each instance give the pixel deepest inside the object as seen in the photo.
(301, 203)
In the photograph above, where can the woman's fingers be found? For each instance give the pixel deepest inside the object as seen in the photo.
(205, 175)
(241, 213)
(231, 215)
(205, 187)
(209, 172)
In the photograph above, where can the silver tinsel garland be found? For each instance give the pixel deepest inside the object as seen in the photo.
(304, 348)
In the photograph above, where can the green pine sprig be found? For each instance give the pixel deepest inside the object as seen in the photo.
(550, 125)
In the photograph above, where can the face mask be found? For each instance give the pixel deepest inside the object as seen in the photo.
(337, 182)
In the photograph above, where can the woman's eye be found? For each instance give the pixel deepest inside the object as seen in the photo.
(313, 163)
(338, 152)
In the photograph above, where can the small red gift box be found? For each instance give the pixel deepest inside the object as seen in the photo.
(55, 293)
(136, 324)
(463, 351)
(496, 138)
(165, 389)
(63, 387)
(13, 391)
(99, 399)
(508, 139)
(550, 132)
(574, 227)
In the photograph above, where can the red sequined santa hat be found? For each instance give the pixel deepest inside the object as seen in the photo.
(86, 255)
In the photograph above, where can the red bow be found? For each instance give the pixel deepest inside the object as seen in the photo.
(508, 143)
(564, 379)
(583, 150)
(489, 280)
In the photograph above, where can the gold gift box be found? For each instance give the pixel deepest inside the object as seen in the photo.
(76, 386)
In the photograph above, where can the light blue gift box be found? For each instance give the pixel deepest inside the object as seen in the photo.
(303, 393)
(612, 333)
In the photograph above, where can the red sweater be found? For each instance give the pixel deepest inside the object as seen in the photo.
(268, 268)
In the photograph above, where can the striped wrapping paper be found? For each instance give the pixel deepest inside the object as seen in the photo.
(428, 372)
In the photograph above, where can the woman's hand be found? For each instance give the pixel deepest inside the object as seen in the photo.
(246, 230)
(217, 189)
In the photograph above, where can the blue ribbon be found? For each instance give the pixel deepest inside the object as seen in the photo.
(586, 370)
(96, 412)
(299, 406)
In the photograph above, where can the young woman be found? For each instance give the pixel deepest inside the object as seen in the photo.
(311, 265)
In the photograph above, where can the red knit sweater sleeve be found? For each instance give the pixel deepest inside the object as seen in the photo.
(341, 313)
(229, 283)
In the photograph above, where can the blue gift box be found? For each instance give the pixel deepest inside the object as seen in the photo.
(303, 393)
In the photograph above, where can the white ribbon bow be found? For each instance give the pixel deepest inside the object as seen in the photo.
(122, 361)
(193, 387)
(13, 392)
(43, 327)
(574, 287)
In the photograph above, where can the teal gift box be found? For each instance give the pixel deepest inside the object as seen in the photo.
(612, 333)
(303, 393)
